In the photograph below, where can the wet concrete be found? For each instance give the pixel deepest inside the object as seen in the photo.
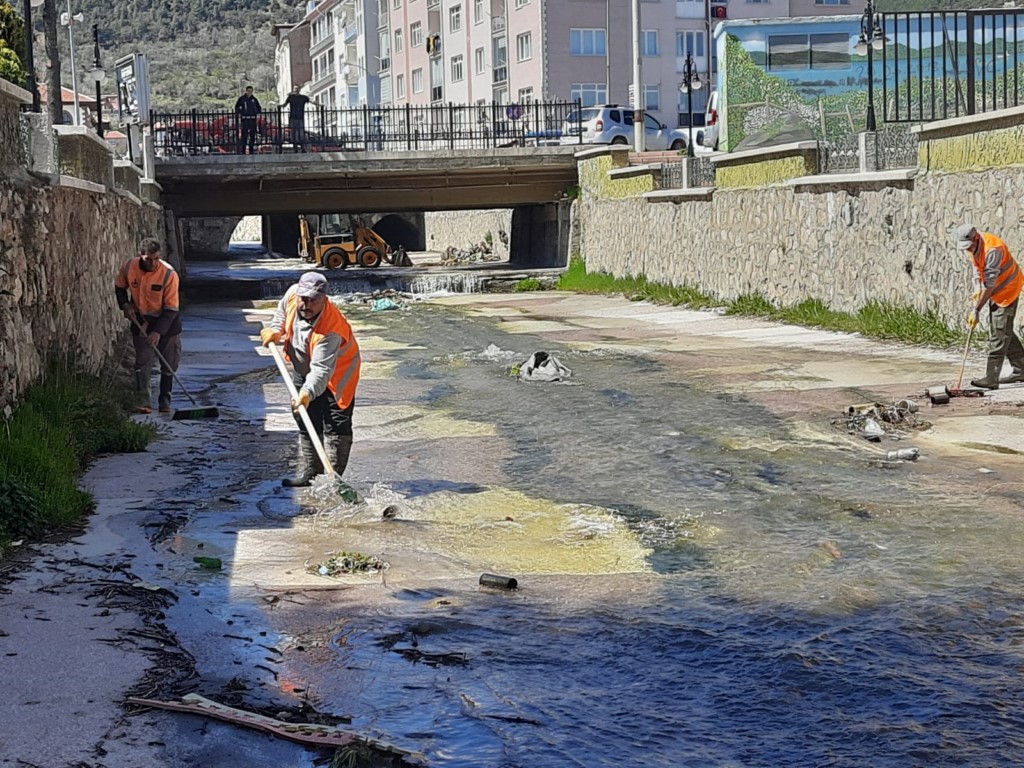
(211, 488)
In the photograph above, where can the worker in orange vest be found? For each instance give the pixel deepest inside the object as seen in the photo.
(999, 285)
(146, 288)
(324, 353)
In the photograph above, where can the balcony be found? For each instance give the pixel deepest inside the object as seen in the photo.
(498, 25)
(500, 75)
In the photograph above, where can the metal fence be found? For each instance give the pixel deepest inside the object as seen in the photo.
(373, 129)
(839, 155)
(688, 173)
(893, 147)
(940, 64)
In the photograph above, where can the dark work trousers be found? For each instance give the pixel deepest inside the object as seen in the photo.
(246, 134)
(325, 413)
(1002, 340)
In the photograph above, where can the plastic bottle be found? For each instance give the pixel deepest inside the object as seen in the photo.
(903, 454)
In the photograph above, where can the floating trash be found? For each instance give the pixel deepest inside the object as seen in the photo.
(341, 563)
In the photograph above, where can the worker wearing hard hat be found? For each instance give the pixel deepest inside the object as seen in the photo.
(1000, 282)
(324, 354)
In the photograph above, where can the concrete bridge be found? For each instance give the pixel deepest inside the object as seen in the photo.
(535, 182)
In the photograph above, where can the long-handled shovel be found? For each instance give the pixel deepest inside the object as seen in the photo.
(181, 414)
(303, 414)
(963, 362)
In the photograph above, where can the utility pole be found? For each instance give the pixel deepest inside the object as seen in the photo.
(638, 81)
(608, 51)
(30, 62)
(54, 102)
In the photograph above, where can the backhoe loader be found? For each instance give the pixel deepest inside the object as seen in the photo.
(325, 240)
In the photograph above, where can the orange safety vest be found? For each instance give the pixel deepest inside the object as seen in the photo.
(1010, 281)
(152, 292)
(346, 371)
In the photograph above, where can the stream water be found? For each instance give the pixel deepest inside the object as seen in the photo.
(778, 600)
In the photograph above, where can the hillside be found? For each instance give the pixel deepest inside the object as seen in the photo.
(202, 53)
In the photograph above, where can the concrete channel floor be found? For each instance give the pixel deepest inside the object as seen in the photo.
(74, 645)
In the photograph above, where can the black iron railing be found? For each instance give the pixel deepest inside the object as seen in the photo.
(701, 172)
(688, 173)
(372, 129)
(939, 65)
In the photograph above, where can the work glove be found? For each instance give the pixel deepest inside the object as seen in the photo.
(972, 320)
(130, 311)
(270, 336)
(302, 399)
(976, 295)
(153, 338)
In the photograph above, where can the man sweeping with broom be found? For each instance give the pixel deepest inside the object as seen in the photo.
(324, 354)
(146, 288)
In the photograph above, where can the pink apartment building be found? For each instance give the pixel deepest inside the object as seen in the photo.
(479, 51)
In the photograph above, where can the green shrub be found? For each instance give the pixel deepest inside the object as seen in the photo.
(63, 422)
(527, 284)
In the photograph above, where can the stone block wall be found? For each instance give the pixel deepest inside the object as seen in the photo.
(84, 155)
(12, 145)
(845, 243)
(462, 229)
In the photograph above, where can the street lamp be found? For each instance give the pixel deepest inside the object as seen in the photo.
(871, 39)
(68, 20)
(30, 62)
(99, 76)
(691, 82)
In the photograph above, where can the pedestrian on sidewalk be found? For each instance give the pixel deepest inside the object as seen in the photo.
(247, 110)
(146, 288)
(296, 103)
(999, 282)
(324, 353)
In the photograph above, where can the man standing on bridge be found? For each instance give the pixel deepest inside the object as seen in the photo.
(999, 285)
(147, 293)
(247, 109)
(296, 103)
(324, 353)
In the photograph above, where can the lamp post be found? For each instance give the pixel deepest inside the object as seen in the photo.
(30, 62)
(691, 82)
(99, 76)
(69, 20)
(638, 81)
(871, 39)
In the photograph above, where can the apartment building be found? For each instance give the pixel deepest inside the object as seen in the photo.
(291, 57)
(514, 51)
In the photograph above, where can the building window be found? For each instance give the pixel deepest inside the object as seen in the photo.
(396, 4)
(587, 42)
(788, 52)
(478, 11)
(689, 43)
(522, 3)
(831, 2)
(457, 69)
(416, 34)
(525, 95)
(758, 2)
(436, 80)
(652, 98)
(650, 42)
(417, 81)
(385, 51)
(399, 41)
(830, 51)
(455, 18)
(589, 94)
(400, 86)
(524, 47)
(478, 61)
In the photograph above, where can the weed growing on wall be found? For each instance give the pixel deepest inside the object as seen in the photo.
(63, 422)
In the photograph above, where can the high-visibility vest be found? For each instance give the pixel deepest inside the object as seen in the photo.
(1010, 280)
(152, 292)
(346, 371)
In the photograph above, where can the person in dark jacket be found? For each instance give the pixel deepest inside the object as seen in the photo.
(247, 109)
(296, 103)
(146, 288)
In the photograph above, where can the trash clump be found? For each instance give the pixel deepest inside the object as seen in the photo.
(542, 366)
(341, 563)
(872, 421)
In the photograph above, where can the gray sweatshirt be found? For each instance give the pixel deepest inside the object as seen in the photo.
(317, 371)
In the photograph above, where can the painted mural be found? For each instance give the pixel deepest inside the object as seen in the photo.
(786, 80)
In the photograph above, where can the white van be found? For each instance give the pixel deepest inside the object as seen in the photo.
(711, 123)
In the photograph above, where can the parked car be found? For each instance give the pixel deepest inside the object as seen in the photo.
(612, 124)
(711, 124)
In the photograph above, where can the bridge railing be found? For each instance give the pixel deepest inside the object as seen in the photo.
(373, 129)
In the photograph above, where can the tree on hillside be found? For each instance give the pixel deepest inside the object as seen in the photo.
(12, 45)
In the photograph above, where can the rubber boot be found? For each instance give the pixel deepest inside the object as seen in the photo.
(309, 465)
(1013, 378)
(991, 380)
(338, 448)
(142, 387)
(164, 401)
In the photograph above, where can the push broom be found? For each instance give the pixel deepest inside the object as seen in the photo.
(181, 414)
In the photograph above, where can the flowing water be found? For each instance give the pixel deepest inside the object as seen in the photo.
(701, 583)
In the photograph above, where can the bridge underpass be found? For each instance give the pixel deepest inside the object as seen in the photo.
(535, 183)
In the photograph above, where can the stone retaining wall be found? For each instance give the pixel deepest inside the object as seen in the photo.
(462, 229)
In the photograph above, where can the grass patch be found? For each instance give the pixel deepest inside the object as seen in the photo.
(876, 320)
(527, 284)
(63, 422)
(577, 279)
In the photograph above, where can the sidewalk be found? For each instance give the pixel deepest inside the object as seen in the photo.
(122, 609)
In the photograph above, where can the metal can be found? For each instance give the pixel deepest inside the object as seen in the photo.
(903, 454)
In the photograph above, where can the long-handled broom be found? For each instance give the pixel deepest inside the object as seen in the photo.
(182, 414)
